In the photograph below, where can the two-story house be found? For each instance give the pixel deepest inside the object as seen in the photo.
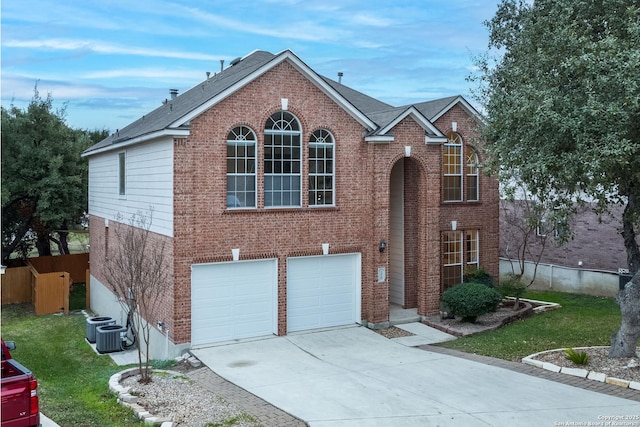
(288, 202)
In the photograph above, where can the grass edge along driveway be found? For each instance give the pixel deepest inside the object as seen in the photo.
(582, 321)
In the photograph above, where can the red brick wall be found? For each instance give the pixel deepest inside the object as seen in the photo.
(482, 215)
(204, 231)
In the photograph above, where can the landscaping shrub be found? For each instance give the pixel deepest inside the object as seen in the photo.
(512, 286)
(470, 300)
(478, 275)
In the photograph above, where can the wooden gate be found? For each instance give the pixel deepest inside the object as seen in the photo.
(51, 293)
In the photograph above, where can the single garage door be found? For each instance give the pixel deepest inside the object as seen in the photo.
(323, 291)
(233, 300)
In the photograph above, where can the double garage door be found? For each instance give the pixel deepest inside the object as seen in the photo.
(236, 300)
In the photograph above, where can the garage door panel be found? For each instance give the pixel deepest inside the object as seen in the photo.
(233, 300)
(322, 291)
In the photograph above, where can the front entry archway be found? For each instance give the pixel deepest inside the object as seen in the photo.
(404, 224)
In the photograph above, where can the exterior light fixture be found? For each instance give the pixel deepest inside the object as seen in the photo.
(383, 245)
(454, 225)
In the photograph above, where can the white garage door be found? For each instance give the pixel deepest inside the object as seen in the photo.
(323, 291)
(233, 300)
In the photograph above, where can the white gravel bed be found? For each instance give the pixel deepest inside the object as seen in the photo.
(184, 402)
(623, 368)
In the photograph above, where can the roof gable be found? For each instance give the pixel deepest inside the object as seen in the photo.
(173, 117)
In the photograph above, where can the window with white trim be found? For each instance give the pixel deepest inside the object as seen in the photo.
(460, 252)
(241, 168)
(472, 249)
(321, 170)
(282, 161)
(452, 168)
(122, 173)
(472, 175)
(452, 258)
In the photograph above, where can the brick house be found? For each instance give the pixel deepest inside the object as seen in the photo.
(290, 202)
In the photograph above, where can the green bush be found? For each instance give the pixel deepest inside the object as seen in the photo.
(581, 358)
(511, 286)
(478, 275)
(470, 300)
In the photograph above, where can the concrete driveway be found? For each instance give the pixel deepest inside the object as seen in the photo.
(355, 377)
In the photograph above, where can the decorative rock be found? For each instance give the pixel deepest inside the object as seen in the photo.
(597, 376)
(617, 381)
(576, 372)
(551, 367)
(194, 362)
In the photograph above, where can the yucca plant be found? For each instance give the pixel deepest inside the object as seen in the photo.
(581, 358)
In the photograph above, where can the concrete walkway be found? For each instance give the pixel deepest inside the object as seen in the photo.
(353, 376)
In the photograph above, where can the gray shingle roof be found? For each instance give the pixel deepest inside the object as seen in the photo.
(165, 117)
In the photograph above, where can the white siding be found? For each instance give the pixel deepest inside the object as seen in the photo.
(149, 182)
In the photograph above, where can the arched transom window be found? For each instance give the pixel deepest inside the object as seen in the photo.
(282, 161)
(321, 152)
(460, 179)
(241, 168)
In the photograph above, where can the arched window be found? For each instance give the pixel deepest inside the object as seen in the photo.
(321, 151)
(241, 168)
(472, 174)
(452, 168)
(282, 161)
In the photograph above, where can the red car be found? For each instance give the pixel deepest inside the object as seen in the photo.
(20, 406)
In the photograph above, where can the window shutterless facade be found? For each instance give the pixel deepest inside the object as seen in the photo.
(321, 168)
(452, 168)
(241, 168)
(282, 161)
(460, 252)
(472, 175)
(122, 173)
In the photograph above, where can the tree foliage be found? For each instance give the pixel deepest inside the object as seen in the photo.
(561, 90)
(44, 179)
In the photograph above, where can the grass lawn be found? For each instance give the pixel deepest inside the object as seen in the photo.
(73, 379)
(582, 321)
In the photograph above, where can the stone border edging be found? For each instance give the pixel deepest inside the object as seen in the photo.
(131, 401)
(579, 372)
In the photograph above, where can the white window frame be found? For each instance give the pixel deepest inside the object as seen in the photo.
(454, 140)
(244, 135)
(122, 174)
(475, 240)
(289, 128)
(322, 138)
(471, 170)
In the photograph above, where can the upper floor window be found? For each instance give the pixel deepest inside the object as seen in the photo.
(460, 180)
(472, 174)
(321, 151)
(241, 168)
(282, 161)
(122, 173)
(452, 168)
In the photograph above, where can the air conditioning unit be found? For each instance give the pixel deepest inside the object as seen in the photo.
(110, 338)
(94, 322)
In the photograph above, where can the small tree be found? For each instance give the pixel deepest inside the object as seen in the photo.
(137, 274)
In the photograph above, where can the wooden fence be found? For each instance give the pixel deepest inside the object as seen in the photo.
(44, 282)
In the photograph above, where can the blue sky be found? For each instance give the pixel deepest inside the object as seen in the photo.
(111, 61)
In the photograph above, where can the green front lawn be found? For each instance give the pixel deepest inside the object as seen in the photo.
(73, 379)
(582, 321)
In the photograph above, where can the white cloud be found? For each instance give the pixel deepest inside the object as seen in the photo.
(104, 48)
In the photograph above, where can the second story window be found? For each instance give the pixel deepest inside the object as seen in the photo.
(241, 168)
(282, 161)
(321, 150)
(472, 174)
(452, 168)
(122, 173)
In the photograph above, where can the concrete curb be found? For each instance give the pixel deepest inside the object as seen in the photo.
(131, 401)
(579, 372)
